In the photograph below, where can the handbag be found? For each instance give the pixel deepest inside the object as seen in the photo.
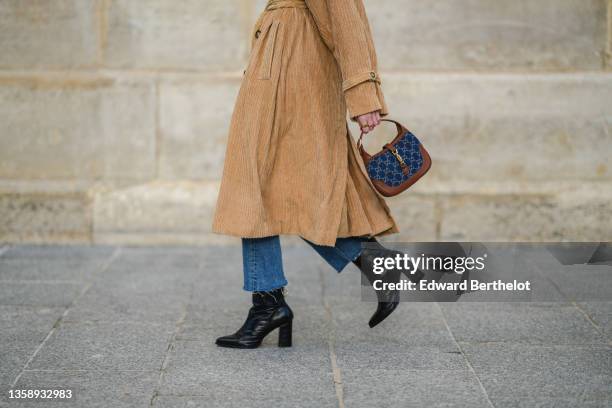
(400, 163)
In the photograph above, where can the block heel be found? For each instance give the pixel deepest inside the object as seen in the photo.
(285, 334)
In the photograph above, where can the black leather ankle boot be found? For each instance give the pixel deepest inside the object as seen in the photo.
(387, 299)
(269, 312)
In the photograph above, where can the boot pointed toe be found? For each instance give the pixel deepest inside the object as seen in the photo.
(382, 312)
(227, 341)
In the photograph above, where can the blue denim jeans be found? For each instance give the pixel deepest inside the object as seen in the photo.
(263, 263)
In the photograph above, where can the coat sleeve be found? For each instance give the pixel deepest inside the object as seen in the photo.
(356, 56)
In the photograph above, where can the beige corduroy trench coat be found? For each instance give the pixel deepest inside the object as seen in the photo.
(291, 165)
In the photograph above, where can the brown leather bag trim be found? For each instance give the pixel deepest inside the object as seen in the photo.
(380, 186)
(388, 191)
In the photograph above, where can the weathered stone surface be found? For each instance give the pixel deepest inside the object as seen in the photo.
(524, 35)
(424, 354)
(292, 395)
(190, 371)
(39, 293)
(175, 212)
(76, 128)
(156, 212)
(508, 127)
(609, 45)
(567, 215)
(525, 323)
(601, 314)
(72, 254)
(181, 212)
(105, 346)
(189, 34)
(22, 329)
(44, 218)
(194, 121)
(59, 269)
(119, 389)
(582, 283)
(56, 34)
(412, 388)
(511, 373)
(489, 35)
(500, 123)
(416, 216)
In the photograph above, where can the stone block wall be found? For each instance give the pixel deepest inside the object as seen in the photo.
(114, 116)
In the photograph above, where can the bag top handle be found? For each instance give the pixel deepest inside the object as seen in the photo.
(400, 129)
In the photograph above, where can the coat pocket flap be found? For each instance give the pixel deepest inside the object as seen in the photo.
(265, 69)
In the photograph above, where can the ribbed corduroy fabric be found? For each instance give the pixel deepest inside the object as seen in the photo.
(291, 165)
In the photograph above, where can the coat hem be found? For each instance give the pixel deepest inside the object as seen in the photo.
(391, 228)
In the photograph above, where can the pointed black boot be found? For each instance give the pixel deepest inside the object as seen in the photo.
(269, 312)
(388, 300)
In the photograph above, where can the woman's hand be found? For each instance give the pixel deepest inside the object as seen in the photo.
(368, 121)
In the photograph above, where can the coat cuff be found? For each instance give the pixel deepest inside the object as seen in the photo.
(357, 79)
(365, 97)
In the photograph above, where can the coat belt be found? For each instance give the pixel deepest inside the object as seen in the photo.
(277, 4)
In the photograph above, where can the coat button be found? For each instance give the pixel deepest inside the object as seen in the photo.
(257, 33)
(373, 75)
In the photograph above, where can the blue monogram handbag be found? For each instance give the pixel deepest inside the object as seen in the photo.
(400, 163)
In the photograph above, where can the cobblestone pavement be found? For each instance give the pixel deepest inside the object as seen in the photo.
(135, 327)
